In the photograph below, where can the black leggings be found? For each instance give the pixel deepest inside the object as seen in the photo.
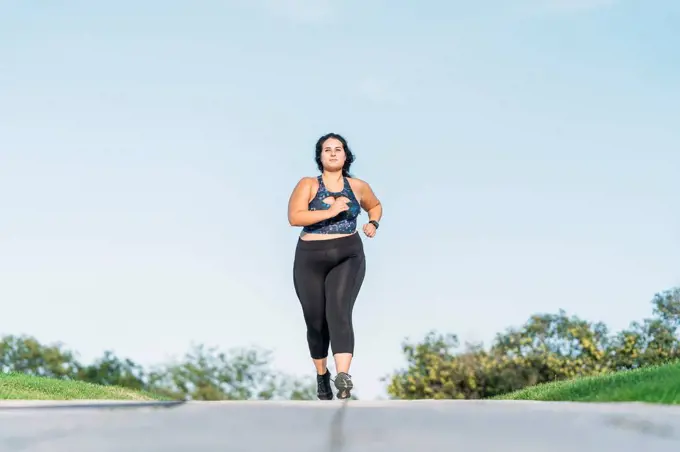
(328, 275)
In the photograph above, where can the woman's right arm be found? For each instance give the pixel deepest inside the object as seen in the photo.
(298, 206)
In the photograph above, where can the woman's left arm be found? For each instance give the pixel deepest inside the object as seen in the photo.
(370, 203)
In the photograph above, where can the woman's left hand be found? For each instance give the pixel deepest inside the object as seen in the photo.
(369, 230)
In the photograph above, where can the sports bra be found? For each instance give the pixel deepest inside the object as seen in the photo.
(343, 223)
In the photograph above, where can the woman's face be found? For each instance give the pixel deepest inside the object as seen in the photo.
(333, 155)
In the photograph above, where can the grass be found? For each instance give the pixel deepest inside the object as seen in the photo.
(654, 384)
(25, 387)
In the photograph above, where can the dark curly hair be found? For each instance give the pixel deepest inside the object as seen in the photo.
(348, 153)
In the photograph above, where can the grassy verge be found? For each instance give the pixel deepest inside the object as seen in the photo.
(654, 384)
(25, 387)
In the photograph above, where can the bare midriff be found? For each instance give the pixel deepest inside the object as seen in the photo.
(312, 236)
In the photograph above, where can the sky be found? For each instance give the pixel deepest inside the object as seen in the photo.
(525, 153)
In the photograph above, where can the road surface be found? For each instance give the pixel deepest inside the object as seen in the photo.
(335, 426)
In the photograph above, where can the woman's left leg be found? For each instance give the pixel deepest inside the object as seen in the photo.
(342, 288)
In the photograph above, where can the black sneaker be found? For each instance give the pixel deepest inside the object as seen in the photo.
(343, 382)
(323, 386)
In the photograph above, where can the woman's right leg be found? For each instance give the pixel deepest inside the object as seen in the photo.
(309, 277)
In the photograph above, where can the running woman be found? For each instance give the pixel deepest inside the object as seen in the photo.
(329, 264)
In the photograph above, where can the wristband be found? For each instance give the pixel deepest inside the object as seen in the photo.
(375, 223)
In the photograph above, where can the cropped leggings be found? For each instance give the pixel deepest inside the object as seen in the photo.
(327, 275)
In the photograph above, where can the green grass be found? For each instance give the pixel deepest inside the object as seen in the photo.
(25, 387)
(654, 384)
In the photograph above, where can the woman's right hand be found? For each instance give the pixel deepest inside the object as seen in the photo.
(340, 205)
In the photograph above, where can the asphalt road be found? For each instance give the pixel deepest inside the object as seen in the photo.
(394, 426)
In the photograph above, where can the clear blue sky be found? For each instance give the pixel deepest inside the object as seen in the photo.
(527, 158)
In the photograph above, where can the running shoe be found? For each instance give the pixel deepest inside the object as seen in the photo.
(323, 386)
(343, 382)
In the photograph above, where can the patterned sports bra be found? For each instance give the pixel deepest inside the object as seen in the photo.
(343, 223)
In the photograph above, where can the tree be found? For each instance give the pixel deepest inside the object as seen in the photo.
(24, 354)
(110, 370)
(548, 347)
(202, 374)
(652, 341)
(211, 374)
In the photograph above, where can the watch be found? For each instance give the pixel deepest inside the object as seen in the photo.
(375, 223)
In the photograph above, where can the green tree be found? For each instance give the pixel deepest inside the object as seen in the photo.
(203, 373)
(25, 354)
(652, 341)
(547, 347)
(109, 370)
(211, 374)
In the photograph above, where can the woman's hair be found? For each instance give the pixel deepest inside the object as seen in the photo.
(349, 157)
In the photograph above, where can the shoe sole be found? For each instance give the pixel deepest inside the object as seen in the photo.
(344, 388)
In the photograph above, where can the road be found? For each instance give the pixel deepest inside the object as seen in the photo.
(357, 426)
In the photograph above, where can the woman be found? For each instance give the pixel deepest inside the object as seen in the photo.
(329, 262)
